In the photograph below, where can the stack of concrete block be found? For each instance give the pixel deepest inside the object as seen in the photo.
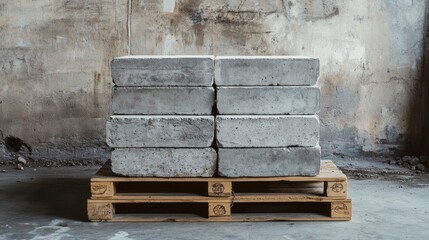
(267, 123)
(162, 123)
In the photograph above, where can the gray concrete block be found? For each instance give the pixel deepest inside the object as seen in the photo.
(269, 162)
(163, 71)
(266, 70)
(163, 100)
(268, 100)
(267, 131)
(159, 131)
(164, 162)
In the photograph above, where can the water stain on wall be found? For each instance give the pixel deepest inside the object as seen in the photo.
(55, 62)
(56, 56)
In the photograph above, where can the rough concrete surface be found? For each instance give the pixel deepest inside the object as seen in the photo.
(266, 162)
(55, 89)
(163, 100)
(268, 100)
(159, 131)
(164, 162)
(267, 131)
(55, 56)
(50, 203)
(370, 55)
(266, 70)
(163, 71)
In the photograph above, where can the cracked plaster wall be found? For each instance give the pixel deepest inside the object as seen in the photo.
(55, 80)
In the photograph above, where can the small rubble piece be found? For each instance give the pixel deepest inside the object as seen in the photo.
(19, 166)
(420, 167)
(22, 160)
(411, 162)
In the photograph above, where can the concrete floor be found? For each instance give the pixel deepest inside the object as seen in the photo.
(50, 203)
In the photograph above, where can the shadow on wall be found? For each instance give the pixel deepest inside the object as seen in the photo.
(419, 114)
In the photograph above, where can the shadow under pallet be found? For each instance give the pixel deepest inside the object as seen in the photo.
(143, 199)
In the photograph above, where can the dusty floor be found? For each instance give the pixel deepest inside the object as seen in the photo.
(389, 202)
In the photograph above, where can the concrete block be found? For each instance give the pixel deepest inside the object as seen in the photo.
(163, 100)
(266, 70)
(268, 100)
(159, 131)
(164, 162)
(269, 162)
(163, 71)
(267, 131)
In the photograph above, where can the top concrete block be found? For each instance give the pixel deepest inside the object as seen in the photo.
(163, 70)
(266, 71)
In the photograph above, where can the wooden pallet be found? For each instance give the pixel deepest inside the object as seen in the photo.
(144, 199)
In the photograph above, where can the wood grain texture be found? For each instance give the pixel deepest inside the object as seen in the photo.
(328, 172)
(325, 196)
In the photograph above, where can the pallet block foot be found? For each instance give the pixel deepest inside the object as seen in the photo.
(341, 209)
(100, 211)
(103, 189)
(219, 188)
(220, 209)
(336, 189)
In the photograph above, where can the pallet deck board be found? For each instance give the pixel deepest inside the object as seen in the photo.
(324, 195)
(238, 197)
(248, 217)
(328, 172)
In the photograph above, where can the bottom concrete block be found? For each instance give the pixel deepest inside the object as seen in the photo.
(164, 162)
(269, 162)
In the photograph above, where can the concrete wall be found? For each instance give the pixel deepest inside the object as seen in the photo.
(54, 63)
